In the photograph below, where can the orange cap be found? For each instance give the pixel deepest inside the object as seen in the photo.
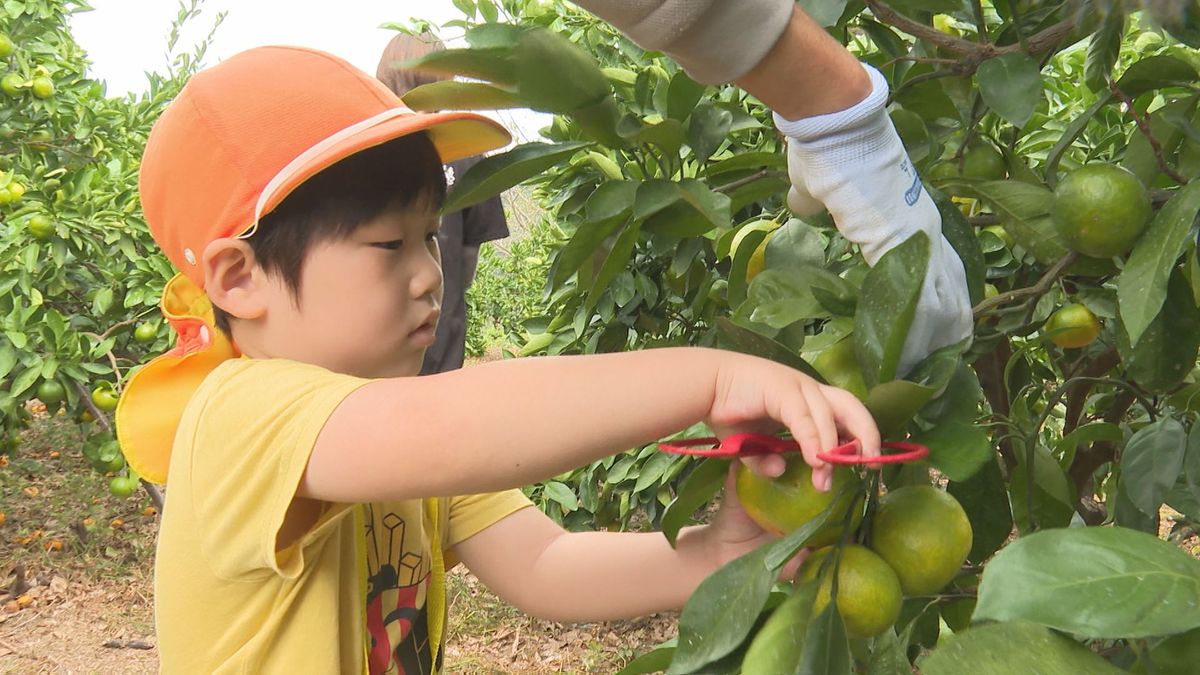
(237, 140)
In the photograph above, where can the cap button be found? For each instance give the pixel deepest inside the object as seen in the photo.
(189, 256)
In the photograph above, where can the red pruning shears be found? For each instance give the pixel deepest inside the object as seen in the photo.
(752, 445)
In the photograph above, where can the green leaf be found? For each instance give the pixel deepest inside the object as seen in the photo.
(653, 470)
(1091, 432)
(957, 449)
(23, 382)
(722, 610)
(653, 661)
(694, 492)
(102, 301)
(654, 196)
(556, 76)
(1009, 648)
(748, 160)
(493, 64)
(778, 645)
(1047, 501)
(780, 551)
(616, 261)
(1151, 462)
(454, 95)
(1168, 347)
(561, 494)
(825, 12)
(667, 135)
(698, 211)
(796, 244)
(929, 5)
(1104, 47)
(683, 93)
(8, 360)
(1142, 286)
(984, 497)
(1155, 72)
(707, 129)
(1011, 85)
(886, 305)
(781, 297)
(893, 404)
(1072, 132)
(826, 648)
(581, 246)
(1181, 20)
(746, 341)
(1095, 582)
(961, 235)
(495, 174)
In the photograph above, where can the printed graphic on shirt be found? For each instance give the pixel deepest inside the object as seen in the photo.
(398, 569)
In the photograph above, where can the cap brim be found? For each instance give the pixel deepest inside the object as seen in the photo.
(455, 135)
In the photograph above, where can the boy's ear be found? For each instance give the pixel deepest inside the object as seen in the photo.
(232, 278)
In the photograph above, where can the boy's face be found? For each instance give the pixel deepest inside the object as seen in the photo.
(368, 305)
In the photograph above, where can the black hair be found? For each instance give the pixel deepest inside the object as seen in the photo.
(331, 205)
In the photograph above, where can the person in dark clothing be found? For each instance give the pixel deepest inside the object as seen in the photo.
(462, 232)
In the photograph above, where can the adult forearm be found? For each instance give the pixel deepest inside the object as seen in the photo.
(807, 73)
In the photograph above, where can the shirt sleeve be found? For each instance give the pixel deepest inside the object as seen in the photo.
(472, 514)
(255, 433)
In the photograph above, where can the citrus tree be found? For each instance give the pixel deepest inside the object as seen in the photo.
(1061, 144)
(80, 276)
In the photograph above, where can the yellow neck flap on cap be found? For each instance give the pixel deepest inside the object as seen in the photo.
(154, 398)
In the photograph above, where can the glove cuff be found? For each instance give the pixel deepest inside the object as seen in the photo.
(861, 114)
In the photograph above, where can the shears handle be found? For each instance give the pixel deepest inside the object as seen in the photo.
(753, 445)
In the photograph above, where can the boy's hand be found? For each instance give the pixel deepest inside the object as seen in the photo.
(754, 394)
(732, 533)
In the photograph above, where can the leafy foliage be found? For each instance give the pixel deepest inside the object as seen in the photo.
(666, 190)
(78, 267)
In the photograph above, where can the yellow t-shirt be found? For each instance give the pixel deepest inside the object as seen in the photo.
(361, 591)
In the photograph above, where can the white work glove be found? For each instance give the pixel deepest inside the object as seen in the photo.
(716, 41)
(853, 164)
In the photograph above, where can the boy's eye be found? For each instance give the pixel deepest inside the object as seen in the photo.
(389, 245)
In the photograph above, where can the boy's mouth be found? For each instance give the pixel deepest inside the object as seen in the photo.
(425, 332)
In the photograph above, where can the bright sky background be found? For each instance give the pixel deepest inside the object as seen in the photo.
(125, 38)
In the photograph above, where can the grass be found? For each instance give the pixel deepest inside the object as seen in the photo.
(63, 517)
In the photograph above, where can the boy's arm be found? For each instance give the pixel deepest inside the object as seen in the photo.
(590, 576)
(533, 418)
(540, 568)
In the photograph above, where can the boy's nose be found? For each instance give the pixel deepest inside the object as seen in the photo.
(427, 277)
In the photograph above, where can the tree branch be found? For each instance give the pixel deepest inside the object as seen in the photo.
(1035, 290)
(973, 53)
(156, 495)
(1144, 126)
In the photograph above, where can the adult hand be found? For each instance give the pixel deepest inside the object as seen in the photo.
(853, 164)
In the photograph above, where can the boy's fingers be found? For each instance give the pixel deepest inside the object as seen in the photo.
(822, 478)
(821, 412)
(854, 420)
(768, 466)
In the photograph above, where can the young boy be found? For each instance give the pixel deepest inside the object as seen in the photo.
(315, 489)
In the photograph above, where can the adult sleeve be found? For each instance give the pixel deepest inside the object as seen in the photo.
(716, 41)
